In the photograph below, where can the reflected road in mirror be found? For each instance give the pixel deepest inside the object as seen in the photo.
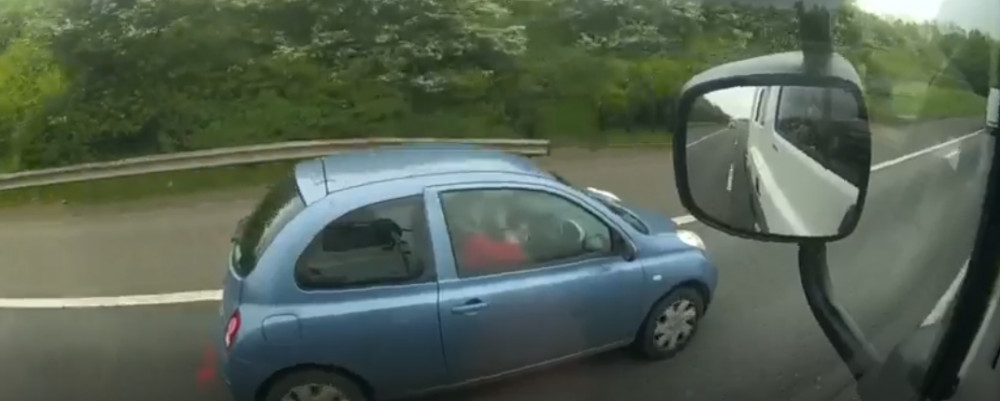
(720, 183)
(778, 160)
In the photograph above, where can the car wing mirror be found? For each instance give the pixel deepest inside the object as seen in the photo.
(795, 164)
(623, 247)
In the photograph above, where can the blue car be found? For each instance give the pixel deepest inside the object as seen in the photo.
(389, 272)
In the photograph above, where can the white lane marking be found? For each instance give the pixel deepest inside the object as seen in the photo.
(729, 179)
(944, 304)
(945, 301)
(216, 295)
(687, 219)
(923, 152)
(98, 302)
(707, 136)
(978, 341)
(952, 159)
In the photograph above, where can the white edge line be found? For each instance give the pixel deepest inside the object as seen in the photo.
(216, 295)
(945, 301)
(978, 341)
(699, 140)
(98, 302)
(939, 146)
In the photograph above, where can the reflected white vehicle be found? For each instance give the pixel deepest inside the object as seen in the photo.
(798, 183)
(993, 108)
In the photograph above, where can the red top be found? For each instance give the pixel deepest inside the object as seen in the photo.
(481, 251)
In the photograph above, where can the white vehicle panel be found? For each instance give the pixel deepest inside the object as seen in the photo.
(797, 195)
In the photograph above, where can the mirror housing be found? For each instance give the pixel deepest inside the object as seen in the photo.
(789, 69)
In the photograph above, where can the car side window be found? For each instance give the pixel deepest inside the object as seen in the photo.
(799, 110)
(762, 96)
(502, 230)
(798, 106)
(382, 243)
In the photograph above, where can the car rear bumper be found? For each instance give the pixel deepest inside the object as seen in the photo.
(241, 378)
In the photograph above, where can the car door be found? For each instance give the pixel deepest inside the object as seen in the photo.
(549, 305)
(366, 294)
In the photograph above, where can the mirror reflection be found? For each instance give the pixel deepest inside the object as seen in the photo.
(785, 160)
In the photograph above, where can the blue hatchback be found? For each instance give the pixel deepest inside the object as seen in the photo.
(394, 271)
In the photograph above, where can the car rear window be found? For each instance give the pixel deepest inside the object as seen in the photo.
(256, 232)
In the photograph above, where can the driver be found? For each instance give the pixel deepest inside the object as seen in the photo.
(496, 243)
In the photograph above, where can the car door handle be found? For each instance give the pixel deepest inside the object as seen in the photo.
(469, 307)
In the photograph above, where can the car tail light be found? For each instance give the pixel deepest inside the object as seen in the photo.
(232, 327)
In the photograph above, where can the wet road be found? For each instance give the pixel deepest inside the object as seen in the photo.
(758, 343)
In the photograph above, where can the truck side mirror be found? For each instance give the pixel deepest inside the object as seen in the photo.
(795, 164)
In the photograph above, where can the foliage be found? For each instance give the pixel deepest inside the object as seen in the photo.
(88, 80)
(29, 76)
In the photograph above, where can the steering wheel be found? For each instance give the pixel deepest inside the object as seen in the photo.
(571, 229)
(555, 234)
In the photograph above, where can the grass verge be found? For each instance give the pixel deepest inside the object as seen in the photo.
(616, 139)
(914, 101)
(146, 186)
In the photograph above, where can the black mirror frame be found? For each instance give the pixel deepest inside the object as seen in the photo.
(782, 69)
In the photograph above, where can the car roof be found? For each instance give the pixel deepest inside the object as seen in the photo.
(318, 177)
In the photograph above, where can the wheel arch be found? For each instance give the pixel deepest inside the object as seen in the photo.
(695, 284)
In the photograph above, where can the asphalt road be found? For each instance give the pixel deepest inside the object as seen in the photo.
(718, 176)
(759, 341)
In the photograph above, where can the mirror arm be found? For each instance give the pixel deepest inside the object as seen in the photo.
(842, 332)
(815, 36)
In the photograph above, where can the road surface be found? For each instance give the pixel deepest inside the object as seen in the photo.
(718, 176)
(759, 341)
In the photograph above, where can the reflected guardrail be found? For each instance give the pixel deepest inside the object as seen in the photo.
(235, 156)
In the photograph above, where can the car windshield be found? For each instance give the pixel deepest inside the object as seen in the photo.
(154, 155)
(612, 205)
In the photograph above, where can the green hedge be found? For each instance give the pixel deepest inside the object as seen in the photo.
(97, 80)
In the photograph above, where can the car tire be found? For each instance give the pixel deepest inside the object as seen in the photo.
(312, 384)
(674, 316)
